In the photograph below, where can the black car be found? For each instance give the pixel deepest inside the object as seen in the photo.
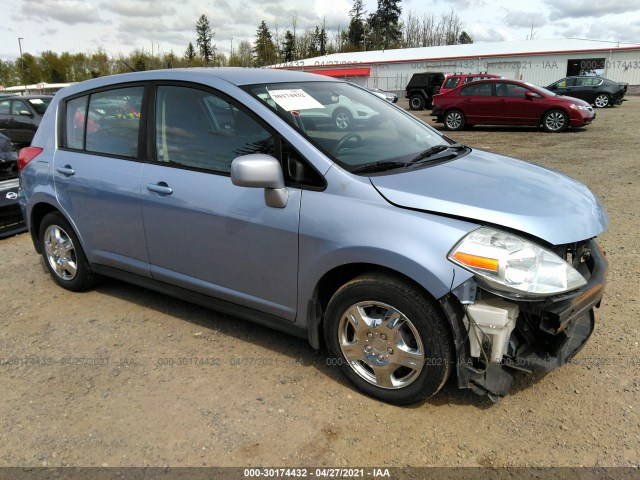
(21, 115)
(11, 220)
(421, 89)
(599, 91)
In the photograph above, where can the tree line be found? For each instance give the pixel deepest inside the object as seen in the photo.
(379, 30)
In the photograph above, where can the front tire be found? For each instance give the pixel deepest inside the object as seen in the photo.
(342, 118)
(602, 101)
(63, 254)
(555, 121)
(389, 339)
(454, 120)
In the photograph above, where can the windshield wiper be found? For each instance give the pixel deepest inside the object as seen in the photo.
(378, 167)
(430, 152)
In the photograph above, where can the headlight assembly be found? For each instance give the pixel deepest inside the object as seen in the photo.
(507, 263)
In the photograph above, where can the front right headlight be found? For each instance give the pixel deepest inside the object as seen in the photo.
(511, 264)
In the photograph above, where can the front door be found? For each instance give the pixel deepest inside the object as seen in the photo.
(204, 233)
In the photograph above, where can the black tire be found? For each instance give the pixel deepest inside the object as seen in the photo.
(369, 357)
(555, 121)
(342, 118)
(602, 100)
(63, 254)
(417, 102)
(454, 120)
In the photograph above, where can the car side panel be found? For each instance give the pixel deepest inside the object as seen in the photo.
(351, 223)
(215, 238)
(102, 197)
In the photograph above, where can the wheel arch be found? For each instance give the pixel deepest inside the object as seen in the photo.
(562, 108)
(37, 214)
(336, 277)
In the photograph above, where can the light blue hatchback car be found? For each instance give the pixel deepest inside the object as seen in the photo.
(258, 193)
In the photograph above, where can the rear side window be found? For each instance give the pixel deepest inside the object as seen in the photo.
(4, 107)
(105, 122)
(477, 90)
(198, 129)
(19, 106)
(75, 122)
(452, 82)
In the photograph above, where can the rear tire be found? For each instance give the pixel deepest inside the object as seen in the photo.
(388, 338)
(602, 101)
(454, 120)
(416, 102)
(63, 254)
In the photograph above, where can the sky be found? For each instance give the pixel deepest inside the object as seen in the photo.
(120, 26)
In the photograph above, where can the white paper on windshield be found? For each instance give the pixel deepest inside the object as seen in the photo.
(296, 99)
(36, 101)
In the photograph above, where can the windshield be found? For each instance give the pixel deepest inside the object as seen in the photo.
(542, 90)
(40, 104)
(351, 125)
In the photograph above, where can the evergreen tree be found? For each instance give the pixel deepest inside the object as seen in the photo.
(288, 46)
(264, 50)
(385, 24)
(355, 32)
(190, 53)
(464, 38)
(204, 38)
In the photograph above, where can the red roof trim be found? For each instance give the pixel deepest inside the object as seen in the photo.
(345, 72)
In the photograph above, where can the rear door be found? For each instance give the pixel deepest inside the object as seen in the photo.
(478, 103)
(97, 176)
(204, 233)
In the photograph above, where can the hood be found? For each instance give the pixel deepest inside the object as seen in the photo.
(489, 188)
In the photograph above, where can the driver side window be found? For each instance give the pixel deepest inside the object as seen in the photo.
(197, 129)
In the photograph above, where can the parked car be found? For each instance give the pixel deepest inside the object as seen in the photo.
(11, 221)
(453, 80)
(409, 256)
(421, 88)
(509, 102)
(598, 91)
(388, 96)
(21, 115)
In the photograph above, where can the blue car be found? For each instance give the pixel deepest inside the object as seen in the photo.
(410, 257)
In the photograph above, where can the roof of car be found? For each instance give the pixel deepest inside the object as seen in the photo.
(235, 75)
(26, 97)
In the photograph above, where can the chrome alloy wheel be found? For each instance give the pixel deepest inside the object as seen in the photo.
(454, 120)
(343, 119)
(601, 101)
(61, 253)
(555, 121)
(381, 344)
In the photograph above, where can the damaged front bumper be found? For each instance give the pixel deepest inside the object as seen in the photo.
(496, 337)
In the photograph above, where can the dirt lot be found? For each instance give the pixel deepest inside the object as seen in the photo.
(109, 377)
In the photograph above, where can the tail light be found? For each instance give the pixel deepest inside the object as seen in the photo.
(26, 155)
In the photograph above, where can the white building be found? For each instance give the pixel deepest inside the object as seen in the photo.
(537, 61)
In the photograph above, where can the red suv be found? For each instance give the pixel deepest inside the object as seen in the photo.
(509, 102)
(454, 80)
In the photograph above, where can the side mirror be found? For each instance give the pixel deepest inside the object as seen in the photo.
(261, 171)
(529, 95)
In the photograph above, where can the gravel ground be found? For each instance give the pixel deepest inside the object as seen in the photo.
(123, 376)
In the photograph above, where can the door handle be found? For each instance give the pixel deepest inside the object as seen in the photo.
(66, 170)
(161, 187)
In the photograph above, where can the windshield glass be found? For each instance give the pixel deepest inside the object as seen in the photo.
(542, 90)
(351, 125)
